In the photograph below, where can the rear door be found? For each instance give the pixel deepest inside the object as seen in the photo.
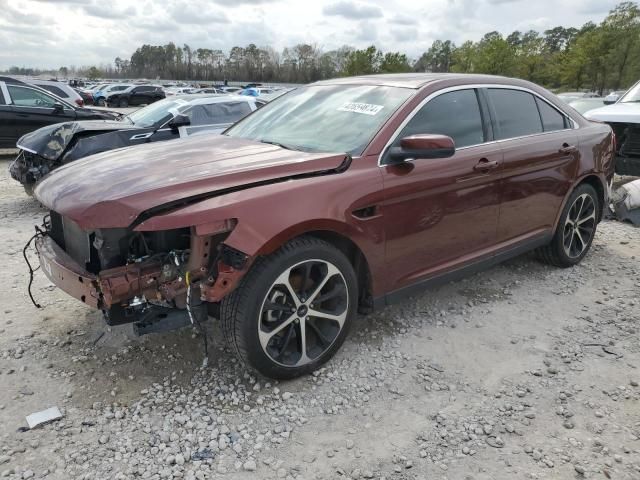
(34, 109)
(540, 159)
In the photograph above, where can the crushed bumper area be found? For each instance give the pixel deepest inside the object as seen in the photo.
(28, 167)
(66, 274)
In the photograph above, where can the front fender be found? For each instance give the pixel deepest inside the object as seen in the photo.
(267, 216)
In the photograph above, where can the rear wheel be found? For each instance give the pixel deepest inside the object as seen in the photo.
(575, 231)
(292, 310)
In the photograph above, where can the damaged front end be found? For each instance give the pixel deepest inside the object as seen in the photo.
(627, 148)
(157, 280)
(28, 168)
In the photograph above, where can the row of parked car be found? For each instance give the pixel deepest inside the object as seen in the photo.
(133, 94)
(50, 132)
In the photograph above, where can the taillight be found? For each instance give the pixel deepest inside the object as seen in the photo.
(80, 102)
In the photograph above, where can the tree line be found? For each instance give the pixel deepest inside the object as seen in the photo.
(596, 57)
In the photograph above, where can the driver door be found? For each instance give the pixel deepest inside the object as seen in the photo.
(34, 109)
(440, 213)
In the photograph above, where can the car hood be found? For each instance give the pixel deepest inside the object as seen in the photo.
(111, 189)
(50, 142)
(616, 113)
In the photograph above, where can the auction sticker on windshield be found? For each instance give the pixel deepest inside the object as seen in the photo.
(364, 108)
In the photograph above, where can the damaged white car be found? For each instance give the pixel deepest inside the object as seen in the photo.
(624, 118)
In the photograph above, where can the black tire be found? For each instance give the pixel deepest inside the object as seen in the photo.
(242, 312)
(123, 103)
(555, 252)
(28, 188)
(101, 102)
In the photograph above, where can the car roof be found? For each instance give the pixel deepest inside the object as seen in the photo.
(414, 80)
(12, 81)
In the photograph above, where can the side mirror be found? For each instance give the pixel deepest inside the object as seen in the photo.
(609, 102)
(422, 146)
(178, 121)
(58, 107)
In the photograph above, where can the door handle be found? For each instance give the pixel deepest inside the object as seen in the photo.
(566, 148)
(485, 165)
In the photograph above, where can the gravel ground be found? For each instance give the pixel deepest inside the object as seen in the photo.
(523, 371)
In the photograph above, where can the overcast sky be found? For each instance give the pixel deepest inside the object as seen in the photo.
(52, 33)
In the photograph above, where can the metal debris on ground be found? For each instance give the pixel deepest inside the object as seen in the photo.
(45, 416)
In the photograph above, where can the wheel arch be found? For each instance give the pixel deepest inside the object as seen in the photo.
(357, 259)
(600, 189)
(595, 181)
(338, 234)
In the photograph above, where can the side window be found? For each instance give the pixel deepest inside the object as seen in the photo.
(227, 112)
(55, 90)
(27, 97)
(552, 119)
(456, 114)
(516, 113)
(198, 116)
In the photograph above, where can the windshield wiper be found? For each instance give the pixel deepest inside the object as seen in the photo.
(281, 145)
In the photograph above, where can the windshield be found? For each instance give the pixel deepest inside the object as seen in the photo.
(157, 113)
(632, 95)
(325, 118)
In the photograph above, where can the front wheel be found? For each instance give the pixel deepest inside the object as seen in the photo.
(123, 103)
(575, 231)
(101, 102)
(293, 309)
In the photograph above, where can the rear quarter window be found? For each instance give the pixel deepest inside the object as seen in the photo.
(516, 113)
(552, 119)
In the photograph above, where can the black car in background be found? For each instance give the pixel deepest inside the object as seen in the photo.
(25, 108)
(135, 95)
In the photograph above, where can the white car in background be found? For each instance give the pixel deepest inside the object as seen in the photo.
(59, 89)
(613, 97)
(624, 118)
(179, 91)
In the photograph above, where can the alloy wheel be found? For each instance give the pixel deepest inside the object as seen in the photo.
(303, 313)
(579, 226)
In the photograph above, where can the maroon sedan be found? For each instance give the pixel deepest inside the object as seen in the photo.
(338, 197)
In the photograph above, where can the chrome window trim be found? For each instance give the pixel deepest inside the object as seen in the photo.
(5, 93)
(472, 87)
